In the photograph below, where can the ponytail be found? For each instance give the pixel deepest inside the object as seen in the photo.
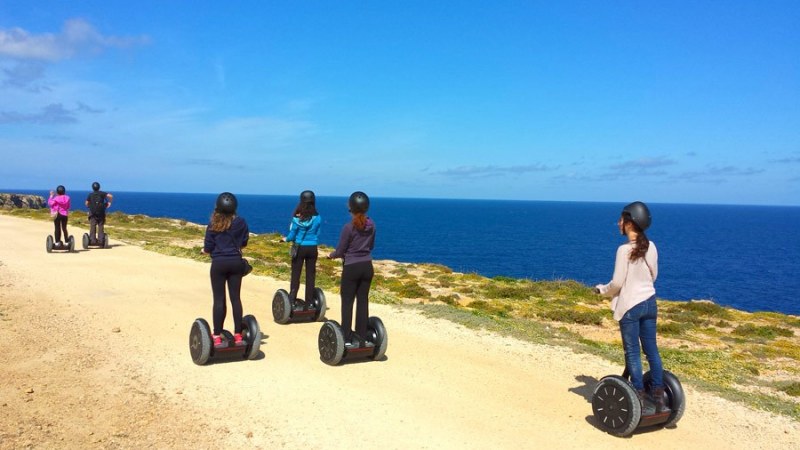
(642, 243)
(360, 221)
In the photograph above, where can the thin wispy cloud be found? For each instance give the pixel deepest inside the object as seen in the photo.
(51, 114)
(26, 76)
(214, 163)
(77, 37)
(789, 160)
(643, 164)
(716, 174)
(493, 171)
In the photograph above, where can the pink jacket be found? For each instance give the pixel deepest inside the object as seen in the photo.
(59, 204)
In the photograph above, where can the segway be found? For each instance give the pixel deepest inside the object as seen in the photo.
(284, 311)
(333, 349)
(99, 243)
(617, 408)
(202, 348)
(53, 245)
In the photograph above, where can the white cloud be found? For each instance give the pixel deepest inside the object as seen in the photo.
(493, 171)
(76, 37)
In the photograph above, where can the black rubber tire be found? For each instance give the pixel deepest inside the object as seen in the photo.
(85, 241)
(200, 343)
(376, 333)
(49, 245)
(676, 398)
(321, 305)
(331, 343)
(281, 307)
(71, 244)
(105, 241)
(616, 406)
(252, 334)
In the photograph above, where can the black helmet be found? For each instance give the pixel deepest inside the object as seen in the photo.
(307, 197)
(358, 202)
(60, 190)
(639, 213)
(226, 203)
(95, 186)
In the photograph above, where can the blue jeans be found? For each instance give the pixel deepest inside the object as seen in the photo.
(639, 324)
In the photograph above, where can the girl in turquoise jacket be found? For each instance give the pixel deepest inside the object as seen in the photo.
(304, 231)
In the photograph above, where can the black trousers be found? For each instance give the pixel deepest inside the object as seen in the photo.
(96, 224)
(230, 271)
(356, 281)
(61, 224)
(306, 255)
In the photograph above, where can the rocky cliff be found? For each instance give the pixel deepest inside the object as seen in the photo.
(9, 201)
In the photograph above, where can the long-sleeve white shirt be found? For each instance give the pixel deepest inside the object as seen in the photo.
(632, 282)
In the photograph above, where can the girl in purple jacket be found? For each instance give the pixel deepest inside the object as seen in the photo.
(355, 246)
(59, 208)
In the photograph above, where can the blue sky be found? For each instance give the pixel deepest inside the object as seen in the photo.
(685, 102)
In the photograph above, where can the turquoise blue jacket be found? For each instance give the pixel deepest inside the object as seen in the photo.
(304, 233)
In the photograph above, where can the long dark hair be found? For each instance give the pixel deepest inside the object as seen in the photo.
(642, 243)
(305, 211)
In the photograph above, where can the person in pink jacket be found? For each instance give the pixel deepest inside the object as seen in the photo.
(59, 209)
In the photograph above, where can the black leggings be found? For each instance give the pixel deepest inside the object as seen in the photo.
(305, 254)
(229, 270)
(356, 280)
(61, 224)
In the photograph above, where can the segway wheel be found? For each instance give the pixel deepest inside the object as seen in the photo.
(252, 334)
(616, 406)
(105, 241)
(281, 306)
(331, 343)
(200, 342)
(676, 399)
(71, 243)
(322, 306)
(85, 241)
(376, 333)
(49, 244)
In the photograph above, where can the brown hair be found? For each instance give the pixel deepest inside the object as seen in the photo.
(359, 221)
(305, 211)
(221, 221)
(642, 243)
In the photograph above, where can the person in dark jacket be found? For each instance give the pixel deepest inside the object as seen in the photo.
(304, 231)
(356, 242)
(97, 202)
(226, 234)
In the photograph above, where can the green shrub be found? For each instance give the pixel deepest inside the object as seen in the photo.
(451, 299)
(569, 315)
(792, 389)
(763, 332)
(492, 308)
(705, 308)
(672, 328)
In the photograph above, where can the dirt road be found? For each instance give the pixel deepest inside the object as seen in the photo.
(95, 355)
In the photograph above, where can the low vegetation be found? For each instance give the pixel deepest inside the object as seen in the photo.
(749, 357)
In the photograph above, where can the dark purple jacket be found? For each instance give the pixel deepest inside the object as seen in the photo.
(227, 244)
(355, 246)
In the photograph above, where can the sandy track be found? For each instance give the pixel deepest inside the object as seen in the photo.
(71, 380)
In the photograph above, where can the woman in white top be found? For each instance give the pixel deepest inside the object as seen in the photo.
(634, 301)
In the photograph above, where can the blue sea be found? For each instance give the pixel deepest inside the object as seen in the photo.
(746, 257)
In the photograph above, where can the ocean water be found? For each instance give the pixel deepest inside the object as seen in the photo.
(747, 257)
